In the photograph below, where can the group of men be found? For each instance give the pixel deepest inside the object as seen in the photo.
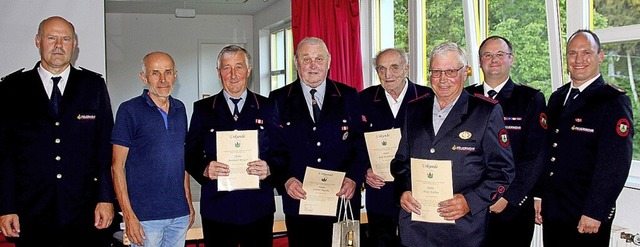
(64, 163)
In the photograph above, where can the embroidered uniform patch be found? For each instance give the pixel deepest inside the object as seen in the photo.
(503, 137)
(622, 127)
(543, 120)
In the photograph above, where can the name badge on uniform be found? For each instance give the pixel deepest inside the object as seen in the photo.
(86, 117)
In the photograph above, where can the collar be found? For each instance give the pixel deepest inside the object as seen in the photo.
(586, 84)
(486, 87)
(400, 96)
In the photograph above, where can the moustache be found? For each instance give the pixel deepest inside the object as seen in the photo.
(58, 51)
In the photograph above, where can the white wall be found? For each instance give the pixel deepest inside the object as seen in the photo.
(19, 24)
(131, 36)
(274, 15)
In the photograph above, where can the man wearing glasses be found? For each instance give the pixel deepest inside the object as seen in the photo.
(523, 106)
(469, 132)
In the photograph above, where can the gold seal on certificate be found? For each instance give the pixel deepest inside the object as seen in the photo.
(236, 149)
(431, 183)
(321, 187)
(382, 146)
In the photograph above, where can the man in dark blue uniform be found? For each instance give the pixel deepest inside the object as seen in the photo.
(465, 129)
(55, 179)
(513, 214)
(588, 152)
(384, 107)
(241, 217)
(319, 125)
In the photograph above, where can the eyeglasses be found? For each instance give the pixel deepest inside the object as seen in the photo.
(448, 72)
(499, 55)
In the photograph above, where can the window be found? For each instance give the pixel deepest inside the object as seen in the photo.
(392, 28)
(525, 26)
(282, 68)
(621, 48)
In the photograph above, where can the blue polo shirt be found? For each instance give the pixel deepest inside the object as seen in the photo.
(155, 162)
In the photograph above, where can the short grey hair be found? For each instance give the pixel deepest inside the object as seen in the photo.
(444, 48)
(313, 41)
(233, 49)
(144, 60)
(403, 55)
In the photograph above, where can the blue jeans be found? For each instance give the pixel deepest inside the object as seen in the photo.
(165, 233)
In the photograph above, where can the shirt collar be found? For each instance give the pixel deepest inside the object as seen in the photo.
(586, 84)
(486, 87)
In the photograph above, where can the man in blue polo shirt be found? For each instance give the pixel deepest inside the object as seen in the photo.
(148, 137)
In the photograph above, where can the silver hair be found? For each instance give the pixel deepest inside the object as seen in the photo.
(234, 49)
(144, 59)
(313, 41)
(403, 55)
(444, 48)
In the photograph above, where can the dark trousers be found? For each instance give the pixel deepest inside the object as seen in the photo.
(561, 234)
(54, 236)
(256, 234)
(309, 231)
(382, 230)
(515, 223)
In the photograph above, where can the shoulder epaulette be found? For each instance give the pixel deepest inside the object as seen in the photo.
(17, 72)
(616, 88)
(529, 87)
(90, 71)
(485, 98)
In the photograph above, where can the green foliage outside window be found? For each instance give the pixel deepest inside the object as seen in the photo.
(523, 22)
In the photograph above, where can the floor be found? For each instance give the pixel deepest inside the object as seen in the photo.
(277, 242)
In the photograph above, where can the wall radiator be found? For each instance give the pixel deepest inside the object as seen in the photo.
(615, 240)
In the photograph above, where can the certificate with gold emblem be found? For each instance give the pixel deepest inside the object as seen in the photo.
(382, 146)
(237, 149)
(431, 183)
(321, 187)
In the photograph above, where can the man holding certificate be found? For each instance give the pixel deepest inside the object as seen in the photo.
(383, 108)
(319, 126)
(454, 159)
(227, 146)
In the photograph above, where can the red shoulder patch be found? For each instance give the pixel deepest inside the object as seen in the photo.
(504, 138)
(542, 119)
(622, 127)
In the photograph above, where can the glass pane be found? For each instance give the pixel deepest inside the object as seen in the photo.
(621, 67)
(290, 67)
(444, 22)
(277, 81)
(524, 24)
(616, 13)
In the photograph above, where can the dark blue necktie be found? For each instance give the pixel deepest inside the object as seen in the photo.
(492, 93)
(55, 94)
(314, 105)
(572, 95)
(236, 112)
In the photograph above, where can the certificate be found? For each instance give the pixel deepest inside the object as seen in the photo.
(431, 183)
(236, 149)
(382, 146)
(321, 187)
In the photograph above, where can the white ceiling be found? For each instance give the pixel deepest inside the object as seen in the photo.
(202, 7)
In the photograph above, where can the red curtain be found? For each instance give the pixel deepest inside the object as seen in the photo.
(337, 22)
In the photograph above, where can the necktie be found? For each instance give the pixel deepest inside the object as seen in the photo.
(572, 95)
(236, 112)
(55, 94)
(492, 93)
(314, 105)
